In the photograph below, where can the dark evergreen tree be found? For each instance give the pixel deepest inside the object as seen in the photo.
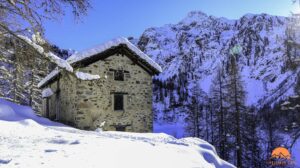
(236, 101)
(251, 139)
(195, 119)
(218, 107)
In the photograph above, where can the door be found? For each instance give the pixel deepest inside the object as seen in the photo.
(47, 107)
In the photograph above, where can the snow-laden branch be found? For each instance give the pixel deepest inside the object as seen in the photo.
(61, 63)
(12, 2)
(33, 44)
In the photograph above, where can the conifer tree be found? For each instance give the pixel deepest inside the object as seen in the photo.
(195, 116)
(236, 100)
(217, 94)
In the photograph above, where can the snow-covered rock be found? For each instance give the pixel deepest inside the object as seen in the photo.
(31, 141)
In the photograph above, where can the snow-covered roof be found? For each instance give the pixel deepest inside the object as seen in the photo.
(50, 76)
(77, 57)
(80, 56)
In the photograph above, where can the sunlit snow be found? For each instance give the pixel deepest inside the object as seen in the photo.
(31, 141)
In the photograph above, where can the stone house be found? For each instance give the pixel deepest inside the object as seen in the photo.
(121, 98)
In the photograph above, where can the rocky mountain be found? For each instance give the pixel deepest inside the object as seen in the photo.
(191, 51)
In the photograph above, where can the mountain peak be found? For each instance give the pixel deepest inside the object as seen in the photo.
(194, 16)
(197, 14)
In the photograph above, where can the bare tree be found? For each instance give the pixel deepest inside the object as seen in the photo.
(19, 15)
(22, 18)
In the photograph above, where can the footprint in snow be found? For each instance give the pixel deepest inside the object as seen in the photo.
(75, 142)
(58, 141)
(50, 150)
(4, 161)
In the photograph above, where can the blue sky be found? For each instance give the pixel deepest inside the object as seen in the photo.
(109, 19)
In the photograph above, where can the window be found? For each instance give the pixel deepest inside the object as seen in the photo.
(119, 75)
(121, 128)
(118, 102)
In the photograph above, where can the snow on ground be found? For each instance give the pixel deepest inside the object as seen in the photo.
(27, 140)
(175, 129)
(255, 90)
(296, 153)
(206, 83)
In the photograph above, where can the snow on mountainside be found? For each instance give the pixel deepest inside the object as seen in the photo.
(191, 51)
(204, 41)
(31, 141)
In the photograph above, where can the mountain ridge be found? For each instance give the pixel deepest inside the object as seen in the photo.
(214, 37)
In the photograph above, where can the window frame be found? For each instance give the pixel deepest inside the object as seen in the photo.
(121, 77)
(123, 102)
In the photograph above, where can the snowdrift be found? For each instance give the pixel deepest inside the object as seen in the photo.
(27, 140)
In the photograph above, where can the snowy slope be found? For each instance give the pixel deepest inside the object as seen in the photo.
(31, 141)
(296, 153)
(191, 51)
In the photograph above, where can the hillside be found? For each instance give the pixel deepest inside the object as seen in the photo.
(191, 51)
(204, 42)
(31, 141)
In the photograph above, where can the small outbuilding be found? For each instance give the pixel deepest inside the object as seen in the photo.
(121, 98)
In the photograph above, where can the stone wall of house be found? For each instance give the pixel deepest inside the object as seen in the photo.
(68, 99)
(87, 104)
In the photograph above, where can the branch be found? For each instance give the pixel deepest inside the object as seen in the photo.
(40, 50)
